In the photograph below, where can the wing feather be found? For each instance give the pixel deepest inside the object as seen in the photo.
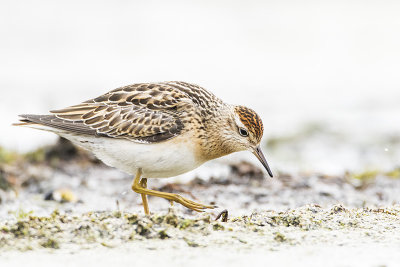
(140, 112)
(147, 112)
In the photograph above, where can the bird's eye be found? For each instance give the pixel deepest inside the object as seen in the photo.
(243, 132)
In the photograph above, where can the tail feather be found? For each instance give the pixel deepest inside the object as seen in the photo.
(54, 124)
(23, 123)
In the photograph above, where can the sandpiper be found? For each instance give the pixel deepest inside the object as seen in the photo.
(157, 130)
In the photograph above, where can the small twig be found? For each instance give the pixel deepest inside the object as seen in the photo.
(117, 202)
(224, 215)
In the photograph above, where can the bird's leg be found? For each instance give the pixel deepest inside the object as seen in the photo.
(138, 187)
(143, 183)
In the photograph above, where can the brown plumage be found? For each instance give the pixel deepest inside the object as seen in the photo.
(251, 120)
(157, 130)
(144, 112)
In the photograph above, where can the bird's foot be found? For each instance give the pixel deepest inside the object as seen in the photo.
(189, 203)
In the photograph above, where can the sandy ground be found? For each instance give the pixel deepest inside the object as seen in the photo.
(304, 219)
(360, 255)
(356, 254)
(307, 236)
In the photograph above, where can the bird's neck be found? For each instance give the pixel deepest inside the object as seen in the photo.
(215, 140)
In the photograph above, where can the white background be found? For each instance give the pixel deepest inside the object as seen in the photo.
(292, 61)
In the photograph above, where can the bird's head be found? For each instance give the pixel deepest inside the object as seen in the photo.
(247, 130)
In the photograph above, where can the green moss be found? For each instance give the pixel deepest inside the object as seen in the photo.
(287, 220)
(242, 241)
(206, 218)
(132, 236)
(162, 234)
(20, 229)
(105, 229)
(55, 214)
(279, 237)
(144, 229)
(131, 218)
(372, 174)
(191, 243)
(237, 219)
(117, 214)
(338, 209)
(50, 243)
(20, 214)
(394, 173)
(365, 176)
(4, 183)
(36, 156)
(218, 227)
(186, 223)
(171, 219)
(7, 156)
(27, 248)
(158, 219)
(107, 245)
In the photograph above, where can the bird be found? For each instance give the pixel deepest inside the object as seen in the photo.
(156, 130)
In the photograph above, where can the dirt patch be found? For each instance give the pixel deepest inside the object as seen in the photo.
(268, 229)
(54, 205)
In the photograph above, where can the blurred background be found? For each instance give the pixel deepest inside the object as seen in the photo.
(324, 76)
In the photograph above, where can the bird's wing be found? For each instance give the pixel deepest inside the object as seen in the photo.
(141, 112)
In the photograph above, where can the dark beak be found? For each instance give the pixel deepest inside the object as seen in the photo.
(258, 153)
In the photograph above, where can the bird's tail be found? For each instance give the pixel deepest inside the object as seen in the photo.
(34, 121)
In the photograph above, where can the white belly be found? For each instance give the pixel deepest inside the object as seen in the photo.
(157, 160)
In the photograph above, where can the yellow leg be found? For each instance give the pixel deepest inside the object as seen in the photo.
(143, 183)
(138, 187)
